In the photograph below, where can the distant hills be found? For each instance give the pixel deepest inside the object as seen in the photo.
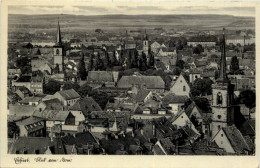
(74, 22)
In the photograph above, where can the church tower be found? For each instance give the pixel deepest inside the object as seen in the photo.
(58, 51)
(145, 44)
(222, 92)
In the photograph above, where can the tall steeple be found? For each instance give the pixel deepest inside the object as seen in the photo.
(222, 78)
(58, 42)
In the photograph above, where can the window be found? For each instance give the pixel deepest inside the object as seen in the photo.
(57, 52)
(219, 98)
(184, 88)
(196, 76)
(37, 151)
(219, 116)
(221, 135)
(219, 127)
(181, 81)
(17, 152)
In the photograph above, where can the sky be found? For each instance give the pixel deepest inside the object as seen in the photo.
(131, 9)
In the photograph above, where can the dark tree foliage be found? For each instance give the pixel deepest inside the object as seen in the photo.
(56, 69)
(198, 49)
(99, 63)
(180, 64)
(142, 62)
(51, 87)
(23, 63)
(234, 64)
(100, 97)
(177, 71)
(13, 129)
(248, 97)
(82, 72)
(70, 85)
(90, 65)
(202, 103)
(201, 87)
(84, 90)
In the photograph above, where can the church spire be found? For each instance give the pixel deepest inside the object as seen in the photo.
(58, 42)
(222, 72)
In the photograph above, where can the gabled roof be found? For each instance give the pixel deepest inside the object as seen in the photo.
(141, 95)
(236, 139)
(189, 109)
(171, 98)
(53, 115)
(86, 105)
(33, 144)
(69, 94)
(21, 110)
(101, 76)
(151, 82)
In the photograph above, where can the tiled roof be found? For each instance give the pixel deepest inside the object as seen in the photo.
(172, 98)
(236, 139)
(33, 144)
(30, 99)
(86, 105)
(69, 94)
(167, 145)
(157, 150)
(21, 110)
(80, 139)
(54, 115)
(151, 82)
(100, 76)
(141, 95)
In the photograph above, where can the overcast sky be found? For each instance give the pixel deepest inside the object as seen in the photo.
(128, 10)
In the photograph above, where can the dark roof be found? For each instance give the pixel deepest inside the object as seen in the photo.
(54, 115)
(86, 105)
(69, 94)
(236, 139)
(80, 139)
(189, 109)
(21, 110)
(33, 144)
(24, 79)
(101, 76)
(172, 98)
(141, 95)
(157, 150)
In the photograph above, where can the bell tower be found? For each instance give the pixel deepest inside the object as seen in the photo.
(145, 44)
(58, 51)
(222, 92)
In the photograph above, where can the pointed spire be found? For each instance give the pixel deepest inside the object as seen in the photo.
(222, 72)
(58, 42)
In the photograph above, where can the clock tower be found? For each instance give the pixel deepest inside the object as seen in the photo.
(222, 92)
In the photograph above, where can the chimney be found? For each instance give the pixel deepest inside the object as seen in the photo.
(61, 87)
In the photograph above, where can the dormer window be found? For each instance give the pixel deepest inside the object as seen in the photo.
(219, 98)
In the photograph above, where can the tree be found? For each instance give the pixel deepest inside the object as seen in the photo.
(90, 64)
(56, 69)
(84, 90)
(248, 97)
(234, 64)
(70, 85)
(201, 87)
(82, 72)
(13, 129)
(51, 87)
(203, 104)
(180, 64)
(198, 49)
